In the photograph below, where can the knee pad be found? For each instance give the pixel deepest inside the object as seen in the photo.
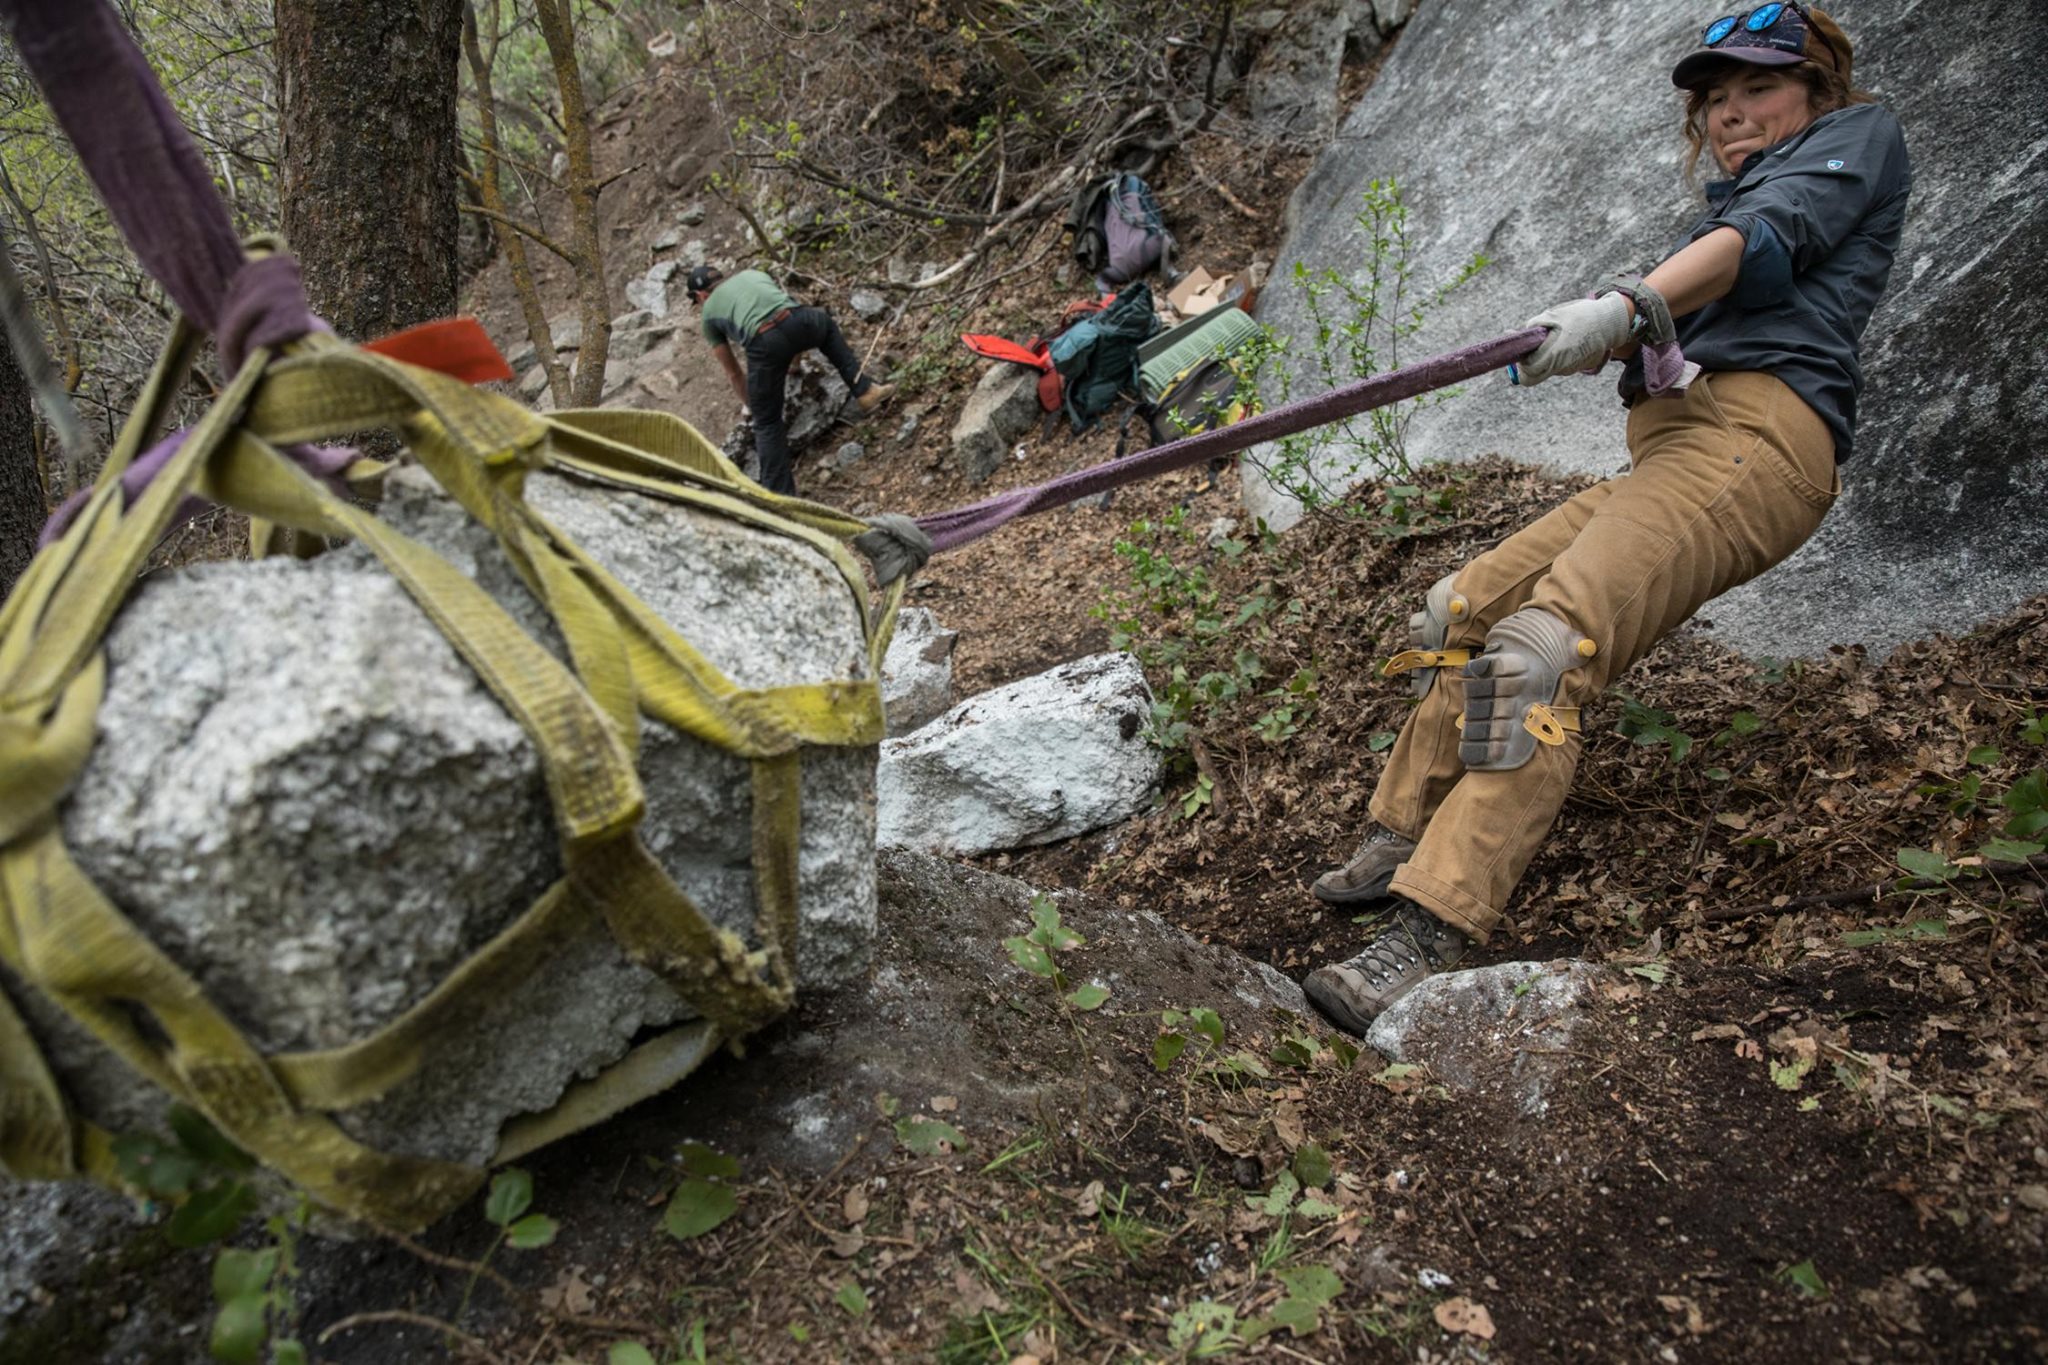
(1511, 687)
(1428, 629)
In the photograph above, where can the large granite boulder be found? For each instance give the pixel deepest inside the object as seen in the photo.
(305, 797)
(1550, 142)
(1034, 761)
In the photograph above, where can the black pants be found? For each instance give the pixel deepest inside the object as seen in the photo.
(769, 356)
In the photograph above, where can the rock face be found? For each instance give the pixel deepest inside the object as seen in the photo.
(1041, 759)
(1293, 83)
(917, 672)
(1498, 1029)
(1467, 115)
(1002, 409)
(305, 797)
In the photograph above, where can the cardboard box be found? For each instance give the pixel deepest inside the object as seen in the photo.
(1198, 291)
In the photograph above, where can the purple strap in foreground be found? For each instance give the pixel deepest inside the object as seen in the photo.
(133, 146)
(146, 168)
(952, 529)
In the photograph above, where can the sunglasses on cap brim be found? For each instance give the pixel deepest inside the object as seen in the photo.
(1752, 21)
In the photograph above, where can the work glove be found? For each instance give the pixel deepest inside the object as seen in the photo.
(1582, 332)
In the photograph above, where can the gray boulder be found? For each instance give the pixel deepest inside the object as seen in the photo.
(649, 292)
(1293, 82)
(917, 672)
(813, 399)
(1930, 533)
(867, 304)
(310, 802)
(1002, 409)
(1503, 1030)
(1038, 760)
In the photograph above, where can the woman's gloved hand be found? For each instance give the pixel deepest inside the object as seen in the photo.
(1582, 332)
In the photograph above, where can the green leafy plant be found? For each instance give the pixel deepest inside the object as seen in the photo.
(706, 1195)
(1357, 328)
(1204, 1329)
(1806, 1279)
(505, 1208)
(1038, 953)
(1648, 727)
(1310, 1288)
(256, 1293)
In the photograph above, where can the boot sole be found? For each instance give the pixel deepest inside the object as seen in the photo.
(1375, 890)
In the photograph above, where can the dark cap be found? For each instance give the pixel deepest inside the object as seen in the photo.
(1798, 34)
(701, 279)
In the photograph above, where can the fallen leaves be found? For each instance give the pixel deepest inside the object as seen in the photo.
(1462, 1317)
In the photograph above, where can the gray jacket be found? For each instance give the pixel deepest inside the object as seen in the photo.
(1820, 216)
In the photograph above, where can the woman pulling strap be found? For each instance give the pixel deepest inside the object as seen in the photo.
(1733, 464)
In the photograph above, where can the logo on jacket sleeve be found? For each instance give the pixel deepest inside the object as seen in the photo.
(1836, 165)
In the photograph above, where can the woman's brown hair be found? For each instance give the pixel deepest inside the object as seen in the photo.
(1826, 92)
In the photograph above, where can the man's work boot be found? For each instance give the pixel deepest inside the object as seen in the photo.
(1365, 877)
(1412, 944)
(876, 395)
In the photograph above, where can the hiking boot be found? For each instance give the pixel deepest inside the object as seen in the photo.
(876, 395)
(1409, 947)
(1365, 877)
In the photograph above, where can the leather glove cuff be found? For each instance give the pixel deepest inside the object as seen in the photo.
(1653, 315)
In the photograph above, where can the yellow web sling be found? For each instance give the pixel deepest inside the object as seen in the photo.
(63, 937)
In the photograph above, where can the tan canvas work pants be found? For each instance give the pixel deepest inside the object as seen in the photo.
(1726, 481)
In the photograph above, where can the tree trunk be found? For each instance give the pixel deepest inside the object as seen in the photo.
(370, 187)
(557, 28)
(22, 509)
(480, 40)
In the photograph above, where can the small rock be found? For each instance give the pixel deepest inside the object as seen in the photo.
(691, 215)
(2034, 1197)
(694, 250)
(648, 293)
(668, 240)
(849, 453)
(917, 672)
(664, 271)
(909, 427)
(1002, 408)
(1220, 530)
(867, 304)
(533, 381)
(1496, 1030)
(677, 173)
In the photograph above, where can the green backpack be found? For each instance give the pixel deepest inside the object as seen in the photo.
(1098, 356)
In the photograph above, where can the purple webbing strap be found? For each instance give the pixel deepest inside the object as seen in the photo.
(133, 146)
(156, 187)
(957, 527)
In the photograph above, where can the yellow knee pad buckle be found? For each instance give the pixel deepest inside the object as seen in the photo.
(1428, 632)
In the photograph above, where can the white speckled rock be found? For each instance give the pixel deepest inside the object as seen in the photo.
(305, 797)
(1041, 759)
(1496, 1029)
(917, 672)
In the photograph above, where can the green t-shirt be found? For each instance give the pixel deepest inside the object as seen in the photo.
(739, 305)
